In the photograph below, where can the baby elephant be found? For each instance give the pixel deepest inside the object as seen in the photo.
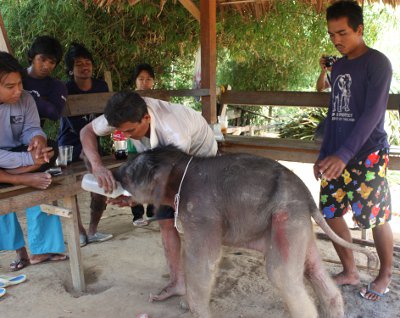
(244, 201)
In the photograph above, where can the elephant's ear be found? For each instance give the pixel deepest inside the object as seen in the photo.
(160, 180)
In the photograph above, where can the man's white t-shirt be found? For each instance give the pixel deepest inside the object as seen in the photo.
(170, 124)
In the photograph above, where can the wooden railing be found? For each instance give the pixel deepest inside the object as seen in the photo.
(280, 149)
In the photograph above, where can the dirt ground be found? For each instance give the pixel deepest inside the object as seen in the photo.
(121, 273)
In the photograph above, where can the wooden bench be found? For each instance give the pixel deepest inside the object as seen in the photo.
(65, 187)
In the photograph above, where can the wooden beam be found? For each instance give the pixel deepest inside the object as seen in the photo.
(208, 16)
(56, 210)
(95, 103)
(302, 99)
(53, 192)
(361, 242)
(4, 43)
(75, 256)
(287, 149)
(192, 8)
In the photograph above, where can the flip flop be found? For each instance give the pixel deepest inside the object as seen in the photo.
(9, 281)
(19, 264)
(140, 222)
(371, 291)
(2, 292)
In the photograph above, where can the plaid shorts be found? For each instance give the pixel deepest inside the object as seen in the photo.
(362, 188)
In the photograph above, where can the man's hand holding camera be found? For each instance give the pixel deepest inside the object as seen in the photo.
(326, 62)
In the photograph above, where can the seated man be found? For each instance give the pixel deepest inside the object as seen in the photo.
(49, 93)
(20, 127)
(79, 65)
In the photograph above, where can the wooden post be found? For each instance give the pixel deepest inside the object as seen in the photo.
(75, 258)
(4, 43)
(208, 17)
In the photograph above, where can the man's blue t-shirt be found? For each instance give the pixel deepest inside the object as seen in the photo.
(49, 94)
(359, 96)
(70, 127)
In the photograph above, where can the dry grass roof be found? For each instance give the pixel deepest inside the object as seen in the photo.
(256, 7)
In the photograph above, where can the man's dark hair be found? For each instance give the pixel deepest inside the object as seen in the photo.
(8, 64)
(47, 46)
(76, 50)
(123, 107)
(139, 68)
(346, 8)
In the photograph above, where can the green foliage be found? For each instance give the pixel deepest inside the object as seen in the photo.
(119, 38)
(51, 129)
(278, 52)
(392, 127)
(303, 125)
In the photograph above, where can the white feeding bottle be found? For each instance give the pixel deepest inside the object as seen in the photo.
(89, 183)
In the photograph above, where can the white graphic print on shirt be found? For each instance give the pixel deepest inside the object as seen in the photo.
(341, 93)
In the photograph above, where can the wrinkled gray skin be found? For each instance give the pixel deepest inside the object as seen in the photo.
(244, 201)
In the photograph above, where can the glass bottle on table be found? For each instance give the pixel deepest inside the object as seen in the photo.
(120, 145)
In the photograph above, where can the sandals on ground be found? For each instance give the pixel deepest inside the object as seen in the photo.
(19, 264)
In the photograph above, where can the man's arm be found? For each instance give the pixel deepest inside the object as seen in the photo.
(22, 170)
(90, 148)
(31, 121)
(52, 106)
(322, 83)
(12, 160)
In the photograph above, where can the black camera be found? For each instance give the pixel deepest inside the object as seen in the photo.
(329, 60)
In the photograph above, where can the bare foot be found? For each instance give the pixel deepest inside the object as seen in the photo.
(375, 290)
(39, 180)
(346, 278)
(40, 258)
(172, 289)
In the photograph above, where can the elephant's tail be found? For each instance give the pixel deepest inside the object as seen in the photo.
(320, 220)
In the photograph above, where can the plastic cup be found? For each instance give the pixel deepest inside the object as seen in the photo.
(62, 159)
(70, 151)
(223, 121)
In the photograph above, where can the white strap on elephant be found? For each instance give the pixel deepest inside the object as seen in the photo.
(177, 198)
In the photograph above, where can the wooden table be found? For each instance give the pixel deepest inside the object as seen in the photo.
(65, 187)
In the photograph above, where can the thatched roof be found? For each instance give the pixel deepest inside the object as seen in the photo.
(256, 8)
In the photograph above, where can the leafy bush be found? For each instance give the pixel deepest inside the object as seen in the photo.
(303, 125)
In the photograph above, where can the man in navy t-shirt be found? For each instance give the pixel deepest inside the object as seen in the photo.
(49, 93)
(354, 153)
(79, 64)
